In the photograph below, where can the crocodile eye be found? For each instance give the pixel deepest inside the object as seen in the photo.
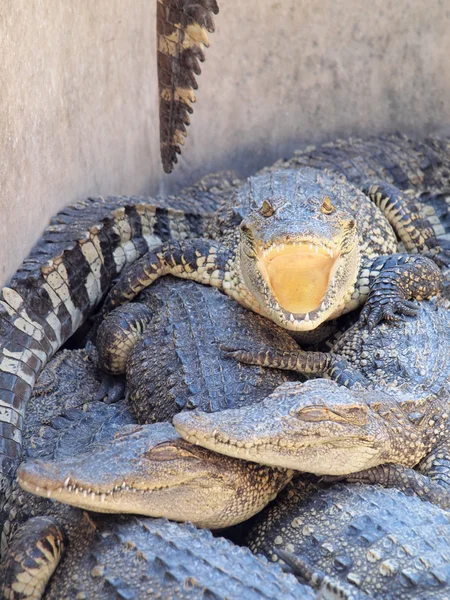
(351, 224)
(327, 207)
(354, 414)
(266, 209)
(245, 228)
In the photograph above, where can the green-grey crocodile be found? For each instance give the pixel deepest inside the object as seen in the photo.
(97, 546)
(399, 415)
(177, 364)
(88, 244)
(168, 344)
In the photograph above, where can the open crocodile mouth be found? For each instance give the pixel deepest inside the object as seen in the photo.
(298, 274)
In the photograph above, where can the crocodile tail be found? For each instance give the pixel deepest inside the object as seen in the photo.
(182, 31)
(60, 285)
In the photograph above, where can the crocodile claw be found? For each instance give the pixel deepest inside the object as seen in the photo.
(112, 389)
(390, 309)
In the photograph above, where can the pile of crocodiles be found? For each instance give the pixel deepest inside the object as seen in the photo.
(226, 418)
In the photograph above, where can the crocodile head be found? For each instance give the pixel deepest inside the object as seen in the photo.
(316, 427)
(149, 470)
(298, 249)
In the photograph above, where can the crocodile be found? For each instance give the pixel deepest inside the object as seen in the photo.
(378, 540)
(177, 364)
(306, 246)
(65, 278)
(182, 31)
(138, 557)
(398, 415)
(65, 423)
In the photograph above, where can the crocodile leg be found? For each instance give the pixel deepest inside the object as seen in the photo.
(202, 260)
(403, 213)
(31, 559)
(311, 364)
(405, 479)
(388, 283)
(117, 335)
(437, 464)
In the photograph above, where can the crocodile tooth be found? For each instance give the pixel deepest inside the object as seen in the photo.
(66, 482)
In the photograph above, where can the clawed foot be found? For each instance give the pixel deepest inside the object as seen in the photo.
(389, 309)
(112, 388)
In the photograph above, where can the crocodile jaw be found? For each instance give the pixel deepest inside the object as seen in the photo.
(140, 473)
(272, 432)
(298, 274)
(297, 288)
(320, 457)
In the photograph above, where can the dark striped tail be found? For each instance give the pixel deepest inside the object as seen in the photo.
(182, 31)
(61, 283)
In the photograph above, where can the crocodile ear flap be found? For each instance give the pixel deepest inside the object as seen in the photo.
(354, 414)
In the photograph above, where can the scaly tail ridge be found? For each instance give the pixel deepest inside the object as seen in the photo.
(60, 285)
(182, 31)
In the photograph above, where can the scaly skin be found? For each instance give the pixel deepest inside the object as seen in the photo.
(177, 363)
(304, 246)
(379, 541)
(141, 558)
(61, 283)
(39, 529)
(149, 470)
(399, 416)
(87, 245)
(182, 30)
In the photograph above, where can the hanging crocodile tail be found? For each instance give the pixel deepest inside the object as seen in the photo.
(182, 31)
(59, 286)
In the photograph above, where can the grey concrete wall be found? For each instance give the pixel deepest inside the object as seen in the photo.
(78, 102)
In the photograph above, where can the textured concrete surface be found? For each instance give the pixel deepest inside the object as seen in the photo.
(79, 114)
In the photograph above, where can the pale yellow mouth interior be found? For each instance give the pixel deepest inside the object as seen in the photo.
(298, 275)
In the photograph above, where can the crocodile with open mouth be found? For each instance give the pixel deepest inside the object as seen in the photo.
(304, 246)
(61, 284)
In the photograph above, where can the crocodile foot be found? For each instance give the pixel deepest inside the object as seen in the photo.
(389, 309)
(112, 388)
